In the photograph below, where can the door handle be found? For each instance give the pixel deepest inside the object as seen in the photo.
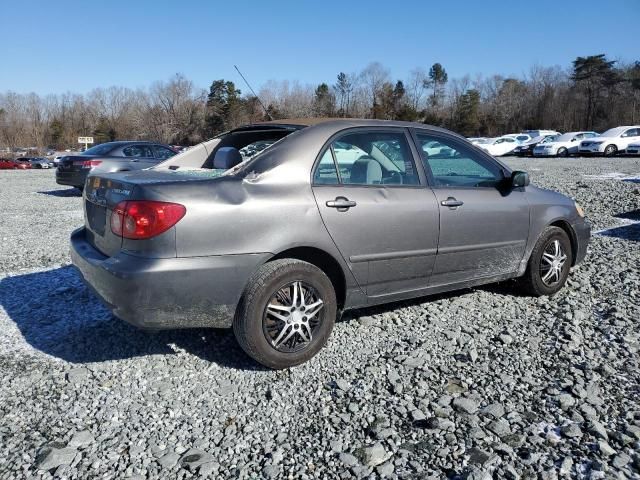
(341, 203)
(451, 202)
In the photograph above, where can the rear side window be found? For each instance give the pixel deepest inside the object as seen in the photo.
(457, 165)
(139, 151)
(368, 158)
(326, 173)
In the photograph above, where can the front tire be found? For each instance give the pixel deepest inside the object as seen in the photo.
(549, 263)
(610, 150)
(286, 313)
(563, 152)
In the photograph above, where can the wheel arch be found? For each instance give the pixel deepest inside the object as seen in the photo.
(325, 262)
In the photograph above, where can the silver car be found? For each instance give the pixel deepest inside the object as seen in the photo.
(110, 157)
(277, 228)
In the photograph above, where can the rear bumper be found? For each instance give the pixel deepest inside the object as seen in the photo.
(73, 178)
(166, 293)
(583, 235)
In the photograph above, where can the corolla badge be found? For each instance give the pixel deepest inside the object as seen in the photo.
(121, 191)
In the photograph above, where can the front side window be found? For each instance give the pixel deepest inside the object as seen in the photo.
(163, 152)
(632, 132)
(459, 166)
(138, 151)
(371, 158)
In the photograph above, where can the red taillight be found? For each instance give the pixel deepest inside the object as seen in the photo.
(89, 163)
(140, 219)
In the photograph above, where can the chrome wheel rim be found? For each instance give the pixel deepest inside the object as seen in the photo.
(292, 317)
(552, 263)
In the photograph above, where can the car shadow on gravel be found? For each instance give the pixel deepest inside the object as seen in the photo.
(630, 231)
(58, 315)
(66, 193)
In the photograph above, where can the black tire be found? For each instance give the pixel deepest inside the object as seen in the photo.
(532, 281)
(563, 152)
(250, 323)
(610, 150)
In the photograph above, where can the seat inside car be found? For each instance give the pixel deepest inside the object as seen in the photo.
(226, 158)
(365, 170)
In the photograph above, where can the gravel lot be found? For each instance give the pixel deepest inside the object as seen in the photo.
(478, 384)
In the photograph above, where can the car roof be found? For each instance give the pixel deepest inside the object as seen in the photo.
(341, 123)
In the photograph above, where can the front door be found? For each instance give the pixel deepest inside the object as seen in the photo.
(483, 226)
(376, 208)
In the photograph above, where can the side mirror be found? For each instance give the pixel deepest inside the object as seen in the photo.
(519, 179)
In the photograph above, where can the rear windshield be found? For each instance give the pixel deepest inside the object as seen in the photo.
(102, 149)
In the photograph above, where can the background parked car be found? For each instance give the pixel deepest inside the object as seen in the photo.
(633, 148)
(526, 149)
(519, 137)
(8, 164)
(613, 141)
(24, 163)
(37, 162)
(110, 157)
(563, 146)
(499, 146)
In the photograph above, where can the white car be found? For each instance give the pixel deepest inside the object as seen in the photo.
(499, 146)
(563, 146)
(437, 149)
(519, 137)
(633, 149)
(614, 140)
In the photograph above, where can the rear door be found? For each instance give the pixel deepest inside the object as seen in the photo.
(483, 227)
(140, 154)
(374, 203)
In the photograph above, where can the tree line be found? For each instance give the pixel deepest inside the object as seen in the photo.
(594, 93)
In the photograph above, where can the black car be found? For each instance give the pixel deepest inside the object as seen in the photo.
(109, 157)
(526, 149)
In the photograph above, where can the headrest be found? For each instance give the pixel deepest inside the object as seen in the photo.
(366, 171)
(226, 158)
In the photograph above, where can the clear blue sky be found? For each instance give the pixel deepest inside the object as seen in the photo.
(57, 46)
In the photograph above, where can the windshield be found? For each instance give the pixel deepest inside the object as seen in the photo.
(549, 138)
(613, 132)
(565, 137)
(102, 149)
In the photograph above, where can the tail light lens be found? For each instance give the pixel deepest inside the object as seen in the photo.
(88, 163)
(140, 219)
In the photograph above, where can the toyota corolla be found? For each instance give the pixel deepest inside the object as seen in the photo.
(277, 228)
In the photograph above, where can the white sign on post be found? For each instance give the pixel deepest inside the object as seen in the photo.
(85, 140)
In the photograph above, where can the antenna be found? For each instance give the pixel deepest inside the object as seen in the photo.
(254, 94)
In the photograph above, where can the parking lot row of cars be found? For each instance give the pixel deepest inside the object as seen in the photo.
(549, 143)
(25, 163)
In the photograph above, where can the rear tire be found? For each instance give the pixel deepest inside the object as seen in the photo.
(610, 150)
(270, 323)
(543, 276)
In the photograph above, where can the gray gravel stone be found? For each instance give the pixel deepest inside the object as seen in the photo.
(465, 405)
(52, 457)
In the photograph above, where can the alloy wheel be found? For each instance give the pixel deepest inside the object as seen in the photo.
(292, 316)
(552, 263)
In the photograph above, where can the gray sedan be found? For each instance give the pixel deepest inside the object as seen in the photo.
(110, 157)
(277, 228)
